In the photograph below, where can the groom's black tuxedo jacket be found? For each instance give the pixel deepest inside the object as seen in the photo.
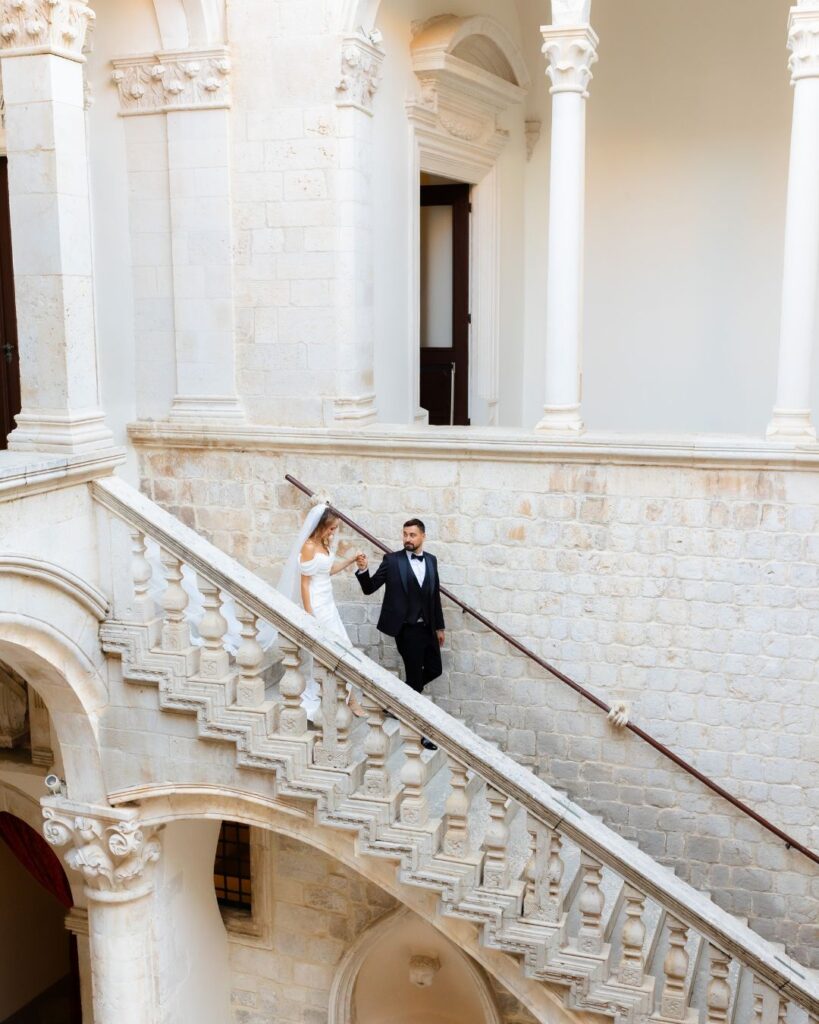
(395, 573)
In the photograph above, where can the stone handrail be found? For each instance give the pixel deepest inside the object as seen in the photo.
(502, 775)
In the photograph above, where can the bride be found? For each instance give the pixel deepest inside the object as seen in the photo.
(306, 579)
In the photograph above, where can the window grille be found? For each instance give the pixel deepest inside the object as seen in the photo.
(231, 869)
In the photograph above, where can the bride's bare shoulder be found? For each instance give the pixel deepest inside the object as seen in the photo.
(308, 549)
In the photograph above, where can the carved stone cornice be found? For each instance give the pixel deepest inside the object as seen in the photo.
(109, 848)
(173, 80)
(360, 73)
(570, 53)
(57, 27)
(803, 42)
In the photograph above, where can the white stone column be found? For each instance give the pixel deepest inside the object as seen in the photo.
(570, 48)
(42, 66)
(114, 854)
(791, 418)
(191, 88)
(354, 402)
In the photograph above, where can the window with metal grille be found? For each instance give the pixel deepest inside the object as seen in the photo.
(231, 869)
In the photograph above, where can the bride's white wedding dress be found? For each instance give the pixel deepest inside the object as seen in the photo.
(324, 609)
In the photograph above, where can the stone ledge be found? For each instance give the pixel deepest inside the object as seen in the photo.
(704, 451)
(27, 473)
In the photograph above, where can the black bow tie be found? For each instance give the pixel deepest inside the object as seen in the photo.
(417, 558)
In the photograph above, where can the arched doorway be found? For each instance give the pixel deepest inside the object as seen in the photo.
(39, 973)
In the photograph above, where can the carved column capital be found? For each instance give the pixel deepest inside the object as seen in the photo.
(173, 80)
(803, 42)
(111, 849)
(360, 73)
(58, 27)
(570, 53)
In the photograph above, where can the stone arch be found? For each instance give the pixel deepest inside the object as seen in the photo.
(162, 804)
(190, 23)
(343, 987)
(478, 40)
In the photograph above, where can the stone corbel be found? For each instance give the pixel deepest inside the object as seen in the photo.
(361, 63)
(173, 80)
(57, 27)
(570, 53)
(110, 848)
(533, 128)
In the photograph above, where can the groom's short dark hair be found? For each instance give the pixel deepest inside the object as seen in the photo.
(415, 522)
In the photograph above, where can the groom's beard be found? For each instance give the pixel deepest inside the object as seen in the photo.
(409, 546)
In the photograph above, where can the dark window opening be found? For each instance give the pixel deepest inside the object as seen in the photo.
(231, 869)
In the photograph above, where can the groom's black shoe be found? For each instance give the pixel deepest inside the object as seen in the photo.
(428, 744)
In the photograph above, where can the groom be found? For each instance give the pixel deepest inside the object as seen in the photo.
(411, 611)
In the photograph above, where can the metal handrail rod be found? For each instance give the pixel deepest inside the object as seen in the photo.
(715, 787)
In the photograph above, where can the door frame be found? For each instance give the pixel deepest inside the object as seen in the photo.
(9, 349)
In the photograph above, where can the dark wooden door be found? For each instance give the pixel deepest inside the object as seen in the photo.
(445, 368)
(9, 360)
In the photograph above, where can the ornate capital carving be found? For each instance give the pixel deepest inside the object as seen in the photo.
(360, 74)
(173, 80)
(803, 42)
(570, 53)
(44, 26)
(111, 851)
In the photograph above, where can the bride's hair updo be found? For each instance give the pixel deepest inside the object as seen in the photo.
(327, 519)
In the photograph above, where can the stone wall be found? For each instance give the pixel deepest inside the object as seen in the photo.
(319, 908)
(690, 592)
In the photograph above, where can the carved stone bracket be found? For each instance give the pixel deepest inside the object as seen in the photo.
(173, 80)
(110, 849)
(570, 53)
(360, 74)
(533, 128)
(803, 42)
(44, 26)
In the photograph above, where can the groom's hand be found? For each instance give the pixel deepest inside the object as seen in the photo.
(361, 561)
(441, 637)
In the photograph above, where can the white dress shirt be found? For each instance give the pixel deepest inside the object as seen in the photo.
(419, 568)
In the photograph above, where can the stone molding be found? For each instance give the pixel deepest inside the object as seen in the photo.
(24, 474)
(803, 42)
(173, 80)
(85, 594)
(360, 74)
(532, 127)
(570, 53)
(57, 27)
(111, 849)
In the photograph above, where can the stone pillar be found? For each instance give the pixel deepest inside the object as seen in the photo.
(570, 48)
(354, 402)
(191, 88)
(791, 418)
(113, 853)
(42, 66)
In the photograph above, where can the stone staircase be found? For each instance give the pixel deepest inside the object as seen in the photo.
(579, 908)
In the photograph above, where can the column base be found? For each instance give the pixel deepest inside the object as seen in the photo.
(206, 407)
(793, 425)
(354, 412)
(562, 419)
(60, 433)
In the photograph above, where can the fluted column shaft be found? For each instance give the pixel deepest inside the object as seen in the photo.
(792, 417)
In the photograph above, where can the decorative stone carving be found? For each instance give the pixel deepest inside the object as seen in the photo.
(111, 854)
(360, 74)
(44, 26)
(173, 80)
(803, 42)
(570, 54)
(422, 970)
(532, 129)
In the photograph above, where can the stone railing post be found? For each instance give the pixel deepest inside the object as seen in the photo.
(791, 419)
(41, 46)
(114, 854)
(570, 47)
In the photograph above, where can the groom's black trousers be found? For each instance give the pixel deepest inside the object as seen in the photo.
(418, 646)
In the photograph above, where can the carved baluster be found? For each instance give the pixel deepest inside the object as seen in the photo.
(759, 1001)
(496, 842)
(718, 992)
(376, 781)
(141, 573)
(333, 748)
(632, 963)
(414, 809)
(293, 717)
(213, 658)
(782, 1015)
(543, 901)
(456, 818)
(175, 633)
(249, 658)
(673, 1001)
(590, 935)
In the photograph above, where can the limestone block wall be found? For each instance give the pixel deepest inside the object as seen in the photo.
(690, 592)
(319, 908)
